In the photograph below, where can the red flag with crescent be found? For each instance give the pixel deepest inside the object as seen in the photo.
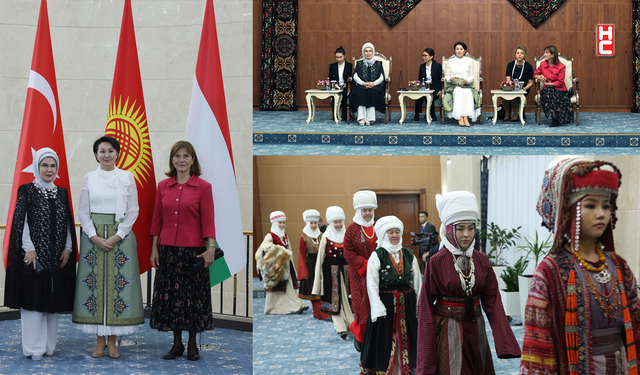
(127, 122)
(41, 124)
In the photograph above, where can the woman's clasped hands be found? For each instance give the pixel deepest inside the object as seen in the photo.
(106, 245)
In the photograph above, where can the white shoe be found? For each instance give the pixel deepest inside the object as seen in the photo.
(36, 357)
(362, 123)
(368, 123)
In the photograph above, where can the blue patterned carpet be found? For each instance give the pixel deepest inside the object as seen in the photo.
(300, 344)
(288, 133)
(231, 353)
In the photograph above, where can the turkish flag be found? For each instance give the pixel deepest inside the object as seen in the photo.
(127, 122)
(42, 123)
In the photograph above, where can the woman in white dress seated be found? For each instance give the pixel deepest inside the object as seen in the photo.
(461, 100)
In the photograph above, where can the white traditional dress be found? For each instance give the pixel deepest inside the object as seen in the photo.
(463, 103)
(108, 298)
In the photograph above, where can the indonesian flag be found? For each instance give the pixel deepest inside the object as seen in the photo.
(42, 123)
(208, 131)
(127, 122)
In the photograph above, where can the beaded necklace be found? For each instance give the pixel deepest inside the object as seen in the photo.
(399, 267)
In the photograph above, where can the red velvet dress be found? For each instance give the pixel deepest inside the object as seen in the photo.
(357, 250)
(445, 344)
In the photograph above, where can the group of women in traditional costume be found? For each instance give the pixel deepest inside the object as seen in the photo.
(460, 99)
(106, 296)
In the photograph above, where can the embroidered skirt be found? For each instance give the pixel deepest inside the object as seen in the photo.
(335, 271)
(557, 104)
(108, 291)
(392, 336)
(181, 296)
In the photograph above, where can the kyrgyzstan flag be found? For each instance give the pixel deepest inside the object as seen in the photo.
(42, 123)
(127, 123)
(208, 131)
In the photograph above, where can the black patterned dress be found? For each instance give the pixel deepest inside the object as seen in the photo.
(373, 97)
(181, 296)
(48, 217)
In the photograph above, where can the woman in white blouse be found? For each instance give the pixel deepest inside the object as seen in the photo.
(108, 297)
(461, 101)
(393, 286)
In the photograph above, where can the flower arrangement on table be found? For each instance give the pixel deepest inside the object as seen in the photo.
(414, 85)
(507, 85)
(322, 84)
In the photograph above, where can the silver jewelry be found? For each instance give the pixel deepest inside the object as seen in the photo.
(26, 261)
(603, 276)
(468, 282)
(463, 263)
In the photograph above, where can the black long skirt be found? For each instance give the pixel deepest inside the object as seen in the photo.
(335, 270)
(306, 286)
(378, 345)
(181, 296)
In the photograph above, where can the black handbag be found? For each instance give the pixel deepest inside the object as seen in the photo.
(198, 264)
(38, 270)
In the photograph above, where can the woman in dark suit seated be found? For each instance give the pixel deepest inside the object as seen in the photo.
(340, 71)
(523, 72)
(554, 98)
(432, 69)
(367, 94)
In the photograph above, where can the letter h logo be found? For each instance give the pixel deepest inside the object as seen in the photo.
(605, 45)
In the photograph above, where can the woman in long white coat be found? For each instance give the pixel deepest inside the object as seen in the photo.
(332, 273)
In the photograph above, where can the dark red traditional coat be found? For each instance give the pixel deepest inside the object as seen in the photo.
(357, 250)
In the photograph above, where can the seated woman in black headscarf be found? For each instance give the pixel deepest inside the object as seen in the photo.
(367, 94)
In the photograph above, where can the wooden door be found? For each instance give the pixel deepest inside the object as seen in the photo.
(405, 207)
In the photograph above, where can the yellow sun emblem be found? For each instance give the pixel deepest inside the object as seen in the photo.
(126, 124)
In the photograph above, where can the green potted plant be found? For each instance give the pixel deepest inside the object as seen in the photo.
(499, 241)
(536, 250)
(510, 295)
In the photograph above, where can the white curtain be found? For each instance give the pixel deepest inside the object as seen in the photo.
(513, 189)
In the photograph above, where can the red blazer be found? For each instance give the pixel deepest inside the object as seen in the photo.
(183, 213)
(553, 74)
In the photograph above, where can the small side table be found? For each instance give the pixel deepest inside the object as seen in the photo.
(415, 95)
(508, 95)
(323, 94)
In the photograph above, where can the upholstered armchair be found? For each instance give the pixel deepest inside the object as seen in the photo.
(386, 65)
(477, 83)
(569, 80)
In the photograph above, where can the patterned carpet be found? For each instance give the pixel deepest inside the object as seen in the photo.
(230, 353)
(300, 344)
(288, 133)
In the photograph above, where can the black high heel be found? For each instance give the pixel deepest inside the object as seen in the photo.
(175, 352)
(191, 355)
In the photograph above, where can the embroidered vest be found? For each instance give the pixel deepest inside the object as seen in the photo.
(388, 274)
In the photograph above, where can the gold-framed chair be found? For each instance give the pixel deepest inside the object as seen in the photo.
(386, 66)
(569, 80)
(477, 82)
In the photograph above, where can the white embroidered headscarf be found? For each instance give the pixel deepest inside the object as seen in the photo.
(372, 59)
(275, 217)
(335, 213)
(309, 216)
(455, 207)
(364, 199)
(382, 226)
(38, 156)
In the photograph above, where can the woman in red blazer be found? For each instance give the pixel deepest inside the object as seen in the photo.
(554, 98)
(182, 225)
